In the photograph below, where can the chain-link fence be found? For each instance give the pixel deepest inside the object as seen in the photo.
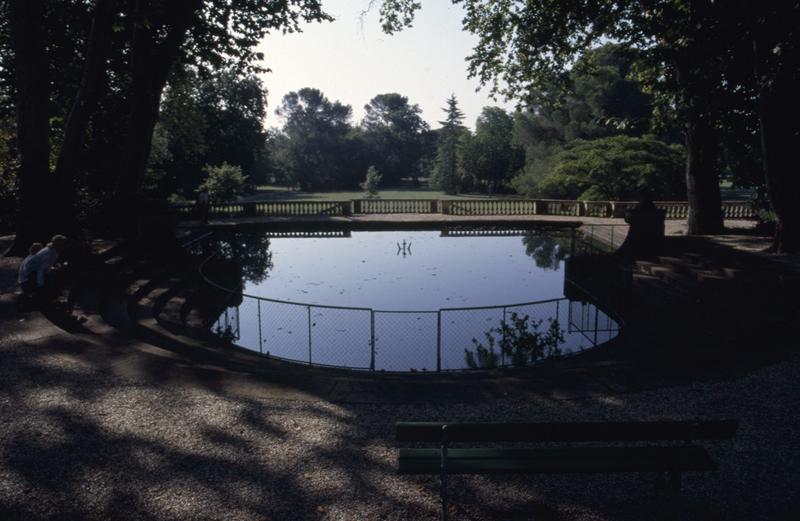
(384, 340)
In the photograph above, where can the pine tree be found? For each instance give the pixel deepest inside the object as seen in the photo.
(445, 175)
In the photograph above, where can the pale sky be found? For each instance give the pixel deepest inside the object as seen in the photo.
(352, 60)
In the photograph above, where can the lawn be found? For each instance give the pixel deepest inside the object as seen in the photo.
(273, 193)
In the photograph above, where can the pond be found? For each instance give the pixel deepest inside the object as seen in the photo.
(409, 300)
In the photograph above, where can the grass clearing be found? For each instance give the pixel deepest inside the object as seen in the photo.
(274, 193)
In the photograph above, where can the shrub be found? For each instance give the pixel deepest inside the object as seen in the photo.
(618, 168)
(223, 183)
(371, 182)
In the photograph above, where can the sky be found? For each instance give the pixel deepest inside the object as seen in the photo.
(351, 60)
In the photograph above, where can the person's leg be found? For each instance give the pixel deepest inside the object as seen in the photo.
(27, 299)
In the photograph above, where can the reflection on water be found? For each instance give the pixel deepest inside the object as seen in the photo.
(251, 251)
(399, 299)
(518, 341)
(403, 270)
(546, 250)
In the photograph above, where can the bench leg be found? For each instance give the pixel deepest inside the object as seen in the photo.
(443, 495)
(443, 489)
(674, 485)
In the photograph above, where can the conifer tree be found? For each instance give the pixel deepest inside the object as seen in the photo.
(445, 175)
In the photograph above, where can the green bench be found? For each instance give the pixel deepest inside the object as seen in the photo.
(586, 447)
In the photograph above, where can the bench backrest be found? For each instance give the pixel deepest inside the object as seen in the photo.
(567, 432)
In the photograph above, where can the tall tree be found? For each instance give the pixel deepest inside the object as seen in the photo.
(490, 156)
(445, 174)
(159, 30)
(316, 130)
(395, 131)
(36, 188)
(81, 110)
(774, 29)
(152, 36)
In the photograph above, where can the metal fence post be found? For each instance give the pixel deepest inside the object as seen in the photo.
(309, 334)
(503, 345)
(439, 341)
(572, 241)
(372, 339)
(558, 312)
(260, 339)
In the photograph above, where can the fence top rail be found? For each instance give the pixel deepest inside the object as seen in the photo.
(381, 200)
(450, 201)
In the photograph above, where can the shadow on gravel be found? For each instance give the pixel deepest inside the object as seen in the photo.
(102, 429)
(81, 442)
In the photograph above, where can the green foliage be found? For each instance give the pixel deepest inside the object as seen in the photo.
(371, 182)
(521, 341)
(207, 121)
(223, 183)
(395, 134)
(489, 156)
(226, 34)
(160, 156)
(617, 168)
(316, 143)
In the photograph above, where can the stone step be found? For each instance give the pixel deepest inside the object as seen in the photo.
(677, 280)
(680, 265)
(645, 267)
(659, 293)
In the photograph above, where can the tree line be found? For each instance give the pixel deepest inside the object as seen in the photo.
(602, 140)
(726, 72)
(110, 106)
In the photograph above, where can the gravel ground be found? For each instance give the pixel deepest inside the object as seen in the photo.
(76, 442)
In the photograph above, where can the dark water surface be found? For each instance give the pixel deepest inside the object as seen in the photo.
(410, 286)
(371, 269)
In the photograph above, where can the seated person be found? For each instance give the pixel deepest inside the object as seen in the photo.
(27, 272)
(34, 270)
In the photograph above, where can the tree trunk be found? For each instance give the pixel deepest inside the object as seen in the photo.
(702, 145)
(151, 62)
(81, 111)
(777, 79)
(702, 176)
(36, 191)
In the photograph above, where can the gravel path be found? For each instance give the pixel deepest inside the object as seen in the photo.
(78, 442)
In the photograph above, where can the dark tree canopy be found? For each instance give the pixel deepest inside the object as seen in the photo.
(317, 132)
(98, 70)
(490, 157)
(395, 133)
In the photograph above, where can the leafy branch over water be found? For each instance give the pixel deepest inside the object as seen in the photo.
(521, 341)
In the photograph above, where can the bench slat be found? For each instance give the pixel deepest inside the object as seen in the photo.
(557, 460)
(567, 432)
